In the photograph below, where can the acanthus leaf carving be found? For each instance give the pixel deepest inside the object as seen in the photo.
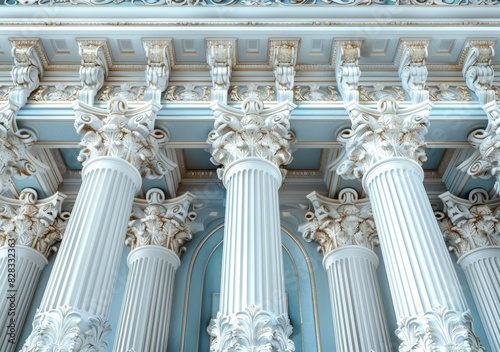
(123, 133)
(337, 223)
(283, 56)
(441, 329)
(469, 224)
(379, 91)
(383, 133)
(158, 67)
(67, 329)
(412, 69)
(94, 68)
(160, 222)
(190, 92)
(59, 92)
(314, 93)
(478, 71)
(34, 223)
(252, 329)
(347, 72)
(265, 93)
(251, 132)
(126, 90)
(221, 56)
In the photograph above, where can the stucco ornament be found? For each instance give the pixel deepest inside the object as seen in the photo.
(251, 132)
(251, 330)
(413, 70)
(34, 223)
(383, 133)
(160, 222)
(123, 133)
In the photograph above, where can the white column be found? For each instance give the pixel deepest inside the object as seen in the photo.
(117, 143)
(387, 147)
(346, 233)
(252, 312)
(156, 234)
(28, 230)
(473, 231)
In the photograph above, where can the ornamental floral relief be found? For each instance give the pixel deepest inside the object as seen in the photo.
(126, 91)
(4, 92)
(314, 92)
(189, 92)
(379, 91)
(59, 92)
(264, 93)
(443, 92)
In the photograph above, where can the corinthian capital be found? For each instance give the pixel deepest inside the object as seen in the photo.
(412, 70)
(158, 67)
(27, 70)
(160, 222)
(383, 133)
(337, 223)
(477, 69)
(283, 56)
(123, 133)
(31, 222)
(470, 223)
(346, 56)
(251, 132)
(95, 59)
(221, 56)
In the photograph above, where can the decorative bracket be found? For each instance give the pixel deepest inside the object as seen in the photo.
(159, 53)
(221, 56)
(95, 62)
(411, 58)
(283, 56)
(28, 68)
(346, 56)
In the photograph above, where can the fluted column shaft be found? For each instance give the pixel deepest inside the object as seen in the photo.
(252, 264)
(426, 293)
(145, 318)
(358, 314)
(482, 270)
(20, 269)
(82, 281)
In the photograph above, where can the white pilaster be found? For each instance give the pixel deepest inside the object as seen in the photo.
(119, 146)
(28, 230)
(346, 233)
(156, 234)
(252, 312)
(472, 230)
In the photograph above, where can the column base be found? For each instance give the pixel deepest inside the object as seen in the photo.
(67, 329)
(251, 328)
(439, 330)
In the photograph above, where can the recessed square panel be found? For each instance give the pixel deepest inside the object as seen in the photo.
(306, 159)
(445, 47)
(198, 159)
(188, 46)
(380, 47)
(253, 46)
(60, 46)
(316, 46)
(126, 46)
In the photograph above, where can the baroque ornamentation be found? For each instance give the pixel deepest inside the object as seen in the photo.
(251, 330)
(412, 70)
(34, 223)
(347, 72)
(158, 67)
(160, 222)
(477, 69)
(59, 92)
(251, 132)
(27, 69)
(221, 56)
(337, 223)
(94, 68)
(126, 91)
(67, 329)
(443, 92)
(4, 92)
(383, 133)
(189, 93)
(123, 133)
(379, 91)
(283, 57)
(238, 93)
(314, 93)
(438, 330)
(471, 223)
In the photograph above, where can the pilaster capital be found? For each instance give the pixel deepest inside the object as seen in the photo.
(160, 222)
(477, 69)
(337, 223)
(27, 70)
(157, 72)
(221, 56)
(249, 330)
(381, 134)
(411, 58)
(95, 61)
(470, 223)
(438, 330)
(34, 223)
(251, 132)
(123, 133)
(346, 56)
(283, 56)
